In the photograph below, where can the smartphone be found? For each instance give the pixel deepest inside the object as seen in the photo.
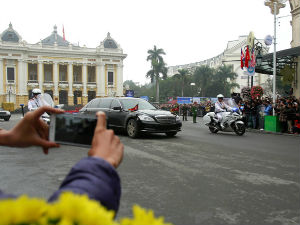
(72, 129)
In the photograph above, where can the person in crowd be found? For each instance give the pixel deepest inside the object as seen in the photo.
(236, 97)
(207, 107)
(247, 113)
(291, 115)
(184, 112)
(36, 101)
(220, 108)
(296, 127)
(268, 108)
(194, 112)
(253, 114)
(94, 175)
(261, 120)
(281, 111)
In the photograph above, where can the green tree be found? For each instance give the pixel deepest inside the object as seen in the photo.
(182, 76)
(158, 67)
(203, 76)
(224, 80)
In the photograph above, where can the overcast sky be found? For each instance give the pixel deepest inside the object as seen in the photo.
(188, 30)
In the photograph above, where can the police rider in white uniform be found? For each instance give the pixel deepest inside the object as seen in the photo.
(36, 101)
(220, 108)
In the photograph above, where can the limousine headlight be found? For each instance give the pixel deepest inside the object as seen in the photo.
(177, 118)
(146, 118)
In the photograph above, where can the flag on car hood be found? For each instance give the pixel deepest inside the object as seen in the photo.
(135, 108)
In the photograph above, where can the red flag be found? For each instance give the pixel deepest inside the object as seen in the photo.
(64, 37)
(242, 58)
(247, 57)
(135, 108)
(253, 63)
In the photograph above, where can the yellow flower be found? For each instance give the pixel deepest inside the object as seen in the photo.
(80, 209)
(68, 210)
(143, 217)
(22, 210)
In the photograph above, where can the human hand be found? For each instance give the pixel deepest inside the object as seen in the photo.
(106, 144)
(31, 130)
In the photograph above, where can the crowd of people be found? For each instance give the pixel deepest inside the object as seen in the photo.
(254, 111)
(286, 108)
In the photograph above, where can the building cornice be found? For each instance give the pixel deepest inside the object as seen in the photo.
(59, 51)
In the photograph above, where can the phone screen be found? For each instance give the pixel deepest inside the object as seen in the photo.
(72, 129)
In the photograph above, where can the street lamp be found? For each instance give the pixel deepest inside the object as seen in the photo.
(275, 6)
(9, 92)
(258, 48)
(192, 84)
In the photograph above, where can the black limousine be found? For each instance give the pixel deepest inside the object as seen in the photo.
(134, 115)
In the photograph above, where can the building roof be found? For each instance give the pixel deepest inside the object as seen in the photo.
(109, 42)
(10, 35)
(284, 57)
(55, 38)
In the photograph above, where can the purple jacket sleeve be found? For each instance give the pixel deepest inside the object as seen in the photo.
(6, 196)
(96, 178)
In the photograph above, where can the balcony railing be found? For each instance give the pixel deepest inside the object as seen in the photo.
(32, 81)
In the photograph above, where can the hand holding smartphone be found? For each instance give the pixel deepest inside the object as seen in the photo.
(72, 129)
(87, 131)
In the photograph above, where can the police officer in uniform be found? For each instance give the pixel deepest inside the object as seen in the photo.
(36, 101)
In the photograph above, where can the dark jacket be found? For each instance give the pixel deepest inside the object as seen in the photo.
(94, 177)
(291, 113)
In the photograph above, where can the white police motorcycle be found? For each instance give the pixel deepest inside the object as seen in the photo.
(232, 120)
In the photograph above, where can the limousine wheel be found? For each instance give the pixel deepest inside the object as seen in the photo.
(171, 134)
(132, 128)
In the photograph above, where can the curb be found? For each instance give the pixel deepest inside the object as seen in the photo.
(270, 132)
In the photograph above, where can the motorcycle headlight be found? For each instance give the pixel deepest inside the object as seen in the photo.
(146, 118)
(177, 118)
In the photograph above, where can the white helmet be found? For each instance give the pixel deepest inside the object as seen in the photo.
(36, 91)
(220, 96)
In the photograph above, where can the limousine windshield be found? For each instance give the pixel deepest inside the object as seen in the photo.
(130, 103)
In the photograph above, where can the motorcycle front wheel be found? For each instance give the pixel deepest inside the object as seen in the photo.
(240, 129)
(213, 130)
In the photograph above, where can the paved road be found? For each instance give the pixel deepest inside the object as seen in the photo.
(194, 178)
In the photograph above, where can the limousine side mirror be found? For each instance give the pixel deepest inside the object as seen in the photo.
(119, 108)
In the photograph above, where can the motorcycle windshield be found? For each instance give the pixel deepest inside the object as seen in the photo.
(230, 102)
(48, 99)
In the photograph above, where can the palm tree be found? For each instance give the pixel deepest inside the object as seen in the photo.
(158, 67)
(203, 77)
(182, 75)
(226, 76)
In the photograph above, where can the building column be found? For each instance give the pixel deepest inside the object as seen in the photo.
(70, 81)
(40, 75)
(84, 82)
(1, 78)
(55, 83)
(21, 93)
(22, 77)
(100, 80)
(119, 80)
(2, 94)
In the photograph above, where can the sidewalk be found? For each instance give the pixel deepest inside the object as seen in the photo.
(270, 132)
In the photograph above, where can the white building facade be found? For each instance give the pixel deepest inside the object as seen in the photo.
(231, 56)
(71, 74)
(295, 23)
